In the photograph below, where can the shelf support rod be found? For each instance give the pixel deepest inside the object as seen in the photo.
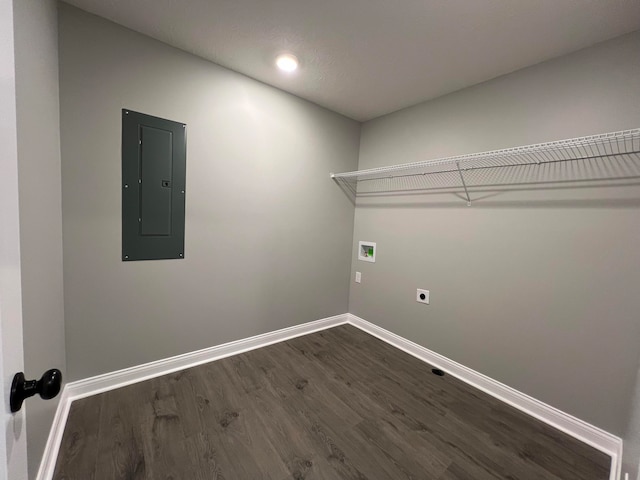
(464, 184)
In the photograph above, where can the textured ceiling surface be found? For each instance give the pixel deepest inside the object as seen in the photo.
(366, 58)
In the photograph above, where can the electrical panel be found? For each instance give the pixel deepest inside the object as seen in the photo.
(153, 187)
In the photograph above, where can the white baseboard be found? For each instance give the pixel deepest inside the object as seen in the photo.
(597, 438)
(110, 381)
(50, 455)
(583, 431)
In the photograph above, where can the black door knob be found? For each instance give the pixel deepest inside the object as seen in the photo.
(47, 387)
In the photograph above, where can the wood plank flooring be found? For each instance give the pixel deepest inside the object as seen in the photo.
(338, 404)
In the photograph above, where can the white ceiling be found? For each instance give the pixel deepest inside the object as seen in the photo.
(366, 58)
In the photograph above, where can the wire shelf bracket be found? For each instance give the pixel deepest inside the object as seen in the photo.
(466, 190)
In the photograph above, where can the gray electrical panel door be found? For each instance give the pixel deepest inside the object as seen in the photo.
(154, 152)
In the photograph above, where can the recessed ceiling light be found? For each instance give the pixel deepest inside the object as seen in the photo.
(287, 62)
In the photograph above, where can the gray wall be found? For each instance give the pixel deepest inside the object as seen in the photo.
(38, 116)
(535, 288)
(631, 453)
(267, 232)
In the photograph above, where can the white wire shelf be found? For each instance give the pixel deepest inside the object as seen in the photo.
(614, 155)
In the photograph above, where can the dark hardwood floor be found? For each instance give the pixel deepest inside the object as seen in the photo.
(338, 404)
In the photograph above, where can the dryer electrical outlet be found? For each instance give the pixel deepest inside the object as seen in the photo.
(422, 296)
